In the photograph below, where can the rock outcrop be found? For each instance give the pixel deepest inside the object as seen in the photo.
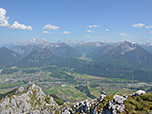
(139, 92)
(30, 99)
(115, 105)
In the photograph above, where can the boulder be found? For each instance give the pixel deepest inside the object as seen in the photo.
(139, 92)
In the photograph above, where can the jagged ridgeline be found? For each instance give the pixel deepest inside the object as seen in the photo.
(125, 60)
(30, 99)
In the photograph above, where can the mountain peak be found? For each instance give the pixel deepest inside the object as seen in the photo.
(38, 58)
(129, 43)
(27, 99)
(127, 46)
(41, 53)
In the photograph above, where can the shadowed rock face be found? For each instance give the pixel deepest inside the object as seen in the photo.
(30, 99)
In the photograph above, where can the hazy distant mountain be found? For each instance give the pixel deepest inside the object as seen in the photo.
(88, 47)
(8, 57)
(59, 49)
(24, 50)
(26, 47)
(64, 50)
(38, 58)
(32, 42)
(116, 60)
(147, 46)
(124, 53)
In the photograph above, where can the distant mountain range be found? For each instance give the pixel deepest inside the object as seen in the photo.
(8, 57)
(148, 47)
(123, 54)
(127, 60)
(38, 58)
(61, 50)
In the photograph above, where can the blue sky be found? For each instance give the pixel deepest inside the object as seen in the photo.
(81, 20)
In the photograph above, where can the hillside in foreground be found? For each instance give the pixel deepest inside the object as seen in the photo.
(30, 99)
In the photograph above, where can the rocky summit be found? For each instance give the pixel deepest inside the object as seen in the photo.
(30, 99)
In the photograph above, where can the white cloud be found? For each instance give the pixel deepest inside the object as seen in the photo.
(45, 32)
(3, 18)
(123, 34)
(17, 25)
(150, 32)
(139, 25)
(90, 31)
(51, 27)
(148, 26)
(93, 26)
(106, 30)
(66, 32)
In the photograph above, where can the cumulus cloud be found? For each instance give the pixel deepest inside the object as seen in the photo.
(66, 32)
(3, 18)
(90, 31)
(106, 30)
(93, 26)
(148, 27)
(139, 25)
(17, 25)
(123, 34)
(51, 27)
(45, 32)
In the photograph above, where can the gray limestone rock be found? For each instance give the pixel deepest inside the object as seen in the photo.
(28, 99)
(139, 92)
